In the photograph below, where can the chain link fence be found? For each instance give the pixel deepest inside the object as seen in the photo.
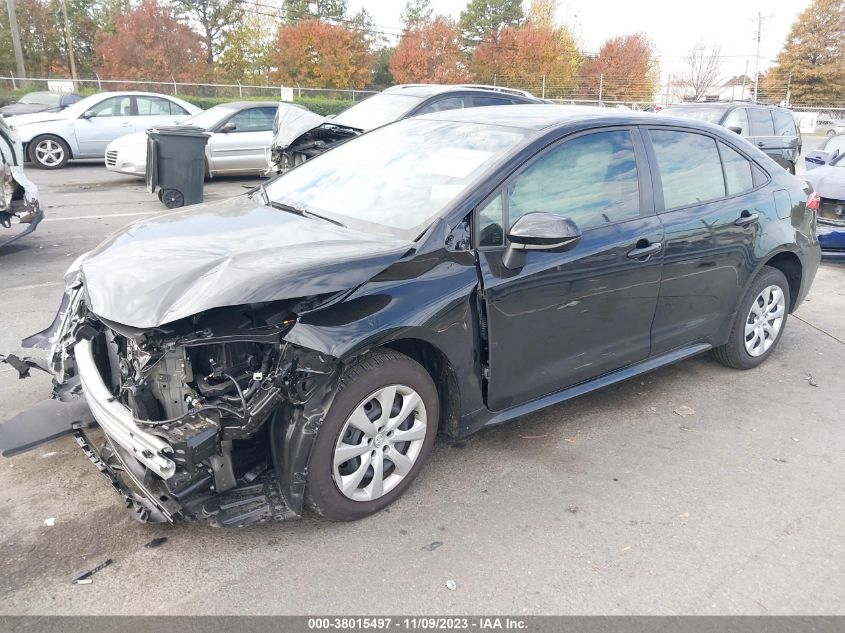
(90, 85)
(558, 92)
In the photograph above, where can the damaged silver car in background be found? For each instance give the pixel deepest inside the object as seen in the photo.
(19, 203)
(299, 134)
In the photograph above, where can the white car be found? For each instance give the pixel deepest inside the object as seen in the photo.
(240, 139)
(83, 129)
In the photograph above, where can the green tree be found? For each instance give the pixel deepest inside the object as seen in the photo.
(815, 54)
(214, 19)
(485, 18)
(298, 10)
(416, 13)
(247, 48)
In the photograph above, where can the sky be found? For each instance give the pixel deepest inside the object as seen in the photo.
(674, 26)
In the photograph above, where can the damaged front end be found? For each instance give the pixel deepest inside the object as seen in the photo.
(209, 418)
(299, 134)
(19, 203)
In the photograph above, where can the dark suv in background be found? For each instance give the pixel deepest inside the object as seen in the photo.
(770, 128)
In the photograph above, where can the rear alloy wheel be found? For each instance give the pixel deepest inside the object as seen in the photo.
(759, 322)
(375, 437)
(48, 152)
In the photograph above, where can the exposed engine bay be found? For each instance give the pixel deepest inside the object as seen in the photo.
(197, 416)
(299, 135)
(18, 195)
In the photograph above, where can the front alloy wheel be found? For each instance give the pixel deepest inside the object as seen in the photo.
(49, 152)
(375, 437)
(379, 443)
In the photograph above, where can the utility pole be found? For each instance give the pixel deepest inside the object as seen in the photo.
(16, 38)
(69, 42)
(788, 89)
(760, 19)
(601, 86)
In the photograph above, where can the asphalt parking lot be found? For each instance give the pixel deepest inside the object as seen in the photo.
(614, 503)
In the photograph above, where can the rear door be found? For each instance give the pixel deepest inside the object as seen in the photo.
(566, 317)
(112, 119)
(244, 148)
(710, 198)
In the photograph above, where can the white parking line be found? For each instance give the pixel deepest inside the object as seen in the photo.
(101, 217)
(46, 284)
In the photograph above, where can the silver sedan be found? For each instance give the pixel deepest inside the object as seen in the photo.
(241, 133)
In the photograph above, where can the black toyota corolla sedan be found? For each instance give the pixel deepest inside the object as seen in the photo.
(304, 344)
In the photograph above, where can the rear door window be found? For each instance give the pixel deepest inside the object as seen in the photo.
(738, 119)
(784, 123)
(761, 122)
(690, 167)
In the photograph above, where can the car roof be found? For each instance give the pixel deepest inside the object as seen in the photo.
(536, 116)
(427, 90)
(240, 105)
(725, 105)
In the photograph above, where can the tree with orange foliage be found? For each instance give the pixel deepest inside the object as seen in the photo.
(320, 54)
(629, 66)
(520, 57)
(430, 53)
(149, 44)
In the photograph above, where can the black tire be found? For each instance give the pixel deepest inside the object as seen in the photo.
(734, 353)
(172, 198)
(364, 377)
(37, 148)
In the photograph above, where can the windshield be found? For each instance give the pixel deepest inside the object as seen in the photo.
(41, 98)
(397, 179)
(376, 111)
(699, 113)
(207, 119)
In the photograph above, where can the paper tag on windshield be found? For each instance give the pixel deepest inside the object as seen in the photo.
(453, 161)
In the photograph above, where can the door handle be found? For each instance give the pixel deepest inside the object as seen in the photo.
(760, 143)
(746, 217)
(645, 250)
(125, 124)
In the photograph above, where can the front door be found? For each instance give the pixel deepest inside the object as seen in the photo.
(112, 119)
(240, 144)
(566, 317)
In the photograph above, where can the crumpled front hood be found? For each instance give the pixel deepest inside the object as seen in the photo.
(292, 121)
(828, 181)
(233, 252)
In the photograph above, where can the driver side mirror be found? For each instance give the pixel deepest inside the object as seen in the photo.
(736, 129)
(229, 127)
(539, 232)
(89, 114)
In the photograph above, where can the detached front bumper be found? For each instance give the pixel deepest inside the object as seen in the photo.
(117, 420)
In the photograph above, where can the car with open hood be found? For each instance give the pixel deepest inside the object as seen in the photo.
(19, 204)
(82, 130)
(299, 134)
(303, 345)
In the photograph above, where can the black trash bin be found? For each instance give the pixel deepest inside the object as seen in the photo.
(176, 164)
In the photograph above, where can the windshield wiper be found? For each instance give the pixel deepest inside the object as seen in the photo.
(265, 198)
(300, 212)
